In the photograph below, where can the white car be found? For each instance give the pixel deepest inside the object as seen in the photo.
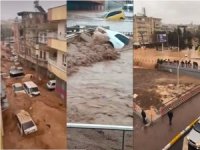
(51, 85)
(25, 123)
(18, 88)
(116, 39)
(194, 136)
(31, 88)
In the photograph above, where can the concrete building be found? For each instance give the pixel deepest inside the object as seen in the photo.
(144, 28)
(57, 60)
(40, 41)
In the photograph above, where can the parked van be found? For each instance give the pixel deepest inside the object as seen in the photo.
(25, 123)
(31, 88)
(51, 85)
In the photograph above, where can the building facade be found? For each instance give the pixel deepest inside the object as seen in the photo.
(40, 41)
(144, 28)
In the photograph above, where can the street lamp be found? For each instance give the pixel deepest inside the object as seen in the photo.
(178, 67)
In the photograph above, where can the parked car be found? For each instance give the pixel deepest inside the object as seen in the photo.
(31, 88)
(25, 123)
(194, 135)
(17, 71)
(114, 15)
(51, 84)
(18, 88)
(116, 39)
(4, 100)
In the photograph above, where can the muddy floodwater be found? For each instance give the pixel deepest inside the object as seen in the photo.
(102, 93)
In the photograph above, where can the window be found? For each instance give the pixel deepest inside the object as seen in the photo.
(113, 13)
(44, 55)
(40, 54)
(64, 59)
(122, 38)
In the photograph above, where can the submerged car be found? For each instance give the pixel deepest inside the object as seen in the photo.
(114, 15)
(194, 136)
(116, 39)
(51, 85)
(31, 88)
(25, 123)
(18, 88)
(15, 72)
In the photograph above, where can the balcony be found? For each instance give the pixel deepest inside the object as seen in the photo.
(59, 71)
(57, 13)
(58, 42)
(41, 62)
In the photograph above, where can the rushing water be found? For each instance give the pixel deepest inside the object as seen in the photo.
(94, 20)
(102, 93)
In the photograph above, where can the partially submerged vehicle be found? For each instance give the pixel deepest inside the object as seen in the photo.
(25, 123)
(16, 71)
(115, 15)
(31, 88)
(51, 84)
(18, 88)
(116, 39)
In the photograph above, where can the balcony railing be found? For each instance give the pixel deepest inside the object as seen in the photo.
(53, 62)
(61, 36)
(59, 70)
(102, 127)
(35, 60)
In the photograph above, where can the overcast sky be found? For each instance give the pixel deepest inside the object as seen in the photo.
(9, 8)
(172, 12)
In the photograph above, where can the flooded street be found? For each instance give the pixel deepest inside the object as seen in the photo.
(102, 93)
(95, 19)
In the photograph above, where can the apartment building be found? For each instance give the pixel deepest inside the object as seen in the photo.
(57, 60)
(40, 41)
(27, 43)
(144, 28)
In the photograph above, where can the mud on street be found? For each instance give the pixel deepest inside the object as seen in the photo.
(48, 111)
(155, 88)
(99, 92)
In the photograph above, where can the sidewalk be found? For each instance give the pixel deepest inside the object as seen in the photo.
(156, 136)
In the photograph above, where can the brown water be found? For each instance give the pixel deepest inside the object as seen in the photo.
(102, 93)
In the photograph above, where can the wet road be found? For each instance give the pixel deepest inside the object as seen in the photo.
(160, 133)
(102, 93)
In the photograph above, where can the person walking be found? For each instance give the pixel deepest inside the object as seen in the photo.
(170, 116)
(143, 116)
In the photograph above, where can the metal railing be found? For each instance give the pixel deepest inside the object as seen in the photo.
(103, 127)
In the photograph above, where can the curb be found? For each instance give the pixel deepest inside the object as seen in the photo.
(178, 136)
(186, 96)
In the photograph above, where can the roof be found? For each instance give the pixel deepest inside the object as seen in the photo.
(17, 84)
(30, 84)
(29, 12)
(23, 116)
